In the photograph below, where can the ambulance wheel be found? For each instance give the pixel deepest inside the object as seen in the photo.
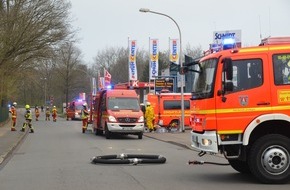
(98, 132)
(140, 135)
(269, 159)
(107, 133)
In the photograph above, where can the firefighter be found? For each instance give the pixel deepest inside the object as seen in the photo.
(54, 113)
(47, 114)
(149, 116)
(36, 113)
(84, 114)
(28, 119)
(67, 117)
(14, 116)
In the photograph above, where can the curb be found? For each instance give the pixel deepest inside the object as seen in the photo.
(7, 153)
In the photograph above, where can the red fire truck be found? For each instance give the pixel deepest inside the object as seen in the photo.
(167, 109)
(241, 108)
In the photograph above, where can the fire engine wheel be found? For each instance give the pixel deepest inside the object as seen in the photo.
(128, 159)
(240, 166)
(174, 125)
(269, 159)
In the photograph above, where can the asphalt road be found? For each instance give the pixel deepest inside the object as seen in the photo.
(57, 157)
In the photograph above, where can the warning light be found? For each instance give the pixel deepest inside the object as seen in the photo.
(109, 87)
(228, 43)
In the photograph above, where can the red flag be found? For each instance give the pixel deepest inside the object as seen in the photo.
(107, 77)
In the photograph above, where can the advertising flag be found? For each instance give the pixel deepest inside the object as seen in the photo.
(107, 77)
(132, 60)
(94, 86)
(154, 55)
(174, 51)
(101, 83)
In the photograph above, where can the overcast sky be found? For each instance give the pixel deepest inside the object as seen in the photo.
(109, 23)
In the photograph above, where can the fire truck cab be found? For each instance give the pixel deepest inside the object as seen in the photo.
(117, 111)
(167, 109)
(241, 108)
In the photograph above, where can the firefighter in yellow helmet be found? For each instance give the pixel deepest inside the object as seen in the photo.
(84, 115)
(149, 116)
(28, 119)
(47, 114)
(13, 115)
(54, 113)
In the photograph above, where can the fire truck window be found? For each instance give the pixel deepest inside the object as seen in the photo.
(281, 65)
(175, 105)
(103, 103)
(247, 74)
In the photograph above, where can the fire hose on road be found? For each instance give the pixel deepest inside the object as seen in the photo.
(129, 159)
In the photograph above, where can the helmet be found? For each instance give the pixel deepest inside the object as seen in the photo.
(27, 106)
(85, 104)
(14, 104)
(148, 103)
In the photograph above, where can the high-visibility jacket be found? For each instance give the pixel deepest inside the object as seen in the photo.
(28, 114)
(36, 112)
(149, 113)
(13, 112)
(85, 114)
(47, 112)
(54, 111)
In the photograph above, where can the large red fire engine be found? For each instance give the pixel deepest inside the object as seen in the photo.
(241, 108)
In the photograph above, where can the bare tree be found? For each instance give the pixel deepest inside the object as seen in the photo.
(106, 58)
(28, 30)
(193, 52)
(69, 70)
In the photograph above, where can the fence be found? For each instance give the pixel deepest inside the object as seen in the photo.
(4, 114)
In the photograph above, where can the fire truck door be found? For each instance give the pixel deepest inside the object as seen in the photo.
(250, 97)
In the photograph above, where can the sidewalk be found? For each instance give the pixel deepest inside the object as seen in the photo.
(179, 138)
(9, 139)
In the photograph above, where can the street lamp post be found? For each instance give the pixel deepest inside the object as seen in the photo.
(145, 10)
(44, 90)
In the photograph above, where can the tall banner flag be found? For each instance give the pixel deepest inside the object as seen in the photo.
(174, 51)
(132, 60)
(107, 77)
(94, 86)
(100, 81)
(154, 55)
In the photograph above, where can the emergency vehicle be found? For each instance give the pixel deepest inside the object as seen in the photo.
(117, 111)
(167, 109)
(241, 108)
(74, 109)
